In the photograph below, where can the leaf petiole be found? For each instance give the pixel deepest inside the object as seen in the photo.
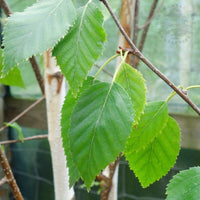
(173, 93)
(109, 60)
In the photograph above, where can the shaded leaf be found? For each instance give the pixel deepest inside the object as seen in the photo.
(68, 107)
(100, 125)
(185, 185)
(133, 82)
(81, 47)
(151, 124)
(18, 128)
(35, 30)
(153, 162)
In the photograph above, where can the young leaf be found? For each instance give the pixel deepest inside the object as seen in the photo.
(81, 47)
(68, 107)
(100, 124)
(185, 185)
(151, 124)
(153, 162)
(36, 29)
(18, 128)
(133, 82)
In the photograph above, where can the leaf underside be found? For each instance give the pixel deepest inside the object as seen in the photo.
(134, 84)
(68, 107)
(35, 30)
(153, 162)
(100, 125)
(185, 185)
(81, 47)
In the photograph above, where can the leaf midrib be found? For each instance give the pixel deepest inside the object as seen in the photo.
(106, 99)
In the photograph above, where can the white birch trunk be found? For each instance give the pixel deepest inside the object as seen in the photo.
(55, 92)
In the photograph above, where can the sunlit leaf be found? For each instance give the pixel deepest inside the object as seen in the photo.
(153, 162)
(151, 124)
(133, 82)
(81, 47)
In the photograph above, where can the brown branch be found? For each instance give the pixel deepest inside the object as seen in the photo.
(136, 19)
(3, 181)
(37, 72)
(134, 60)
(23, 113)
(4, 5)
(107, 181)
(36, 137)
(146, 28)
(148, 63)
(9, 175)
(152, 17)
(6, 8)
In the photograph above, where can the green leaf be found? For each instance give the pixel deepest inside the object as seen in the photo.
(35, 30)
(151, 124)
(185, 185)
(81, 47)
(153, 162)
(18, 128)
(13, 77)
(133, 82)
(68, 107)
(100, 125)
(19, 5)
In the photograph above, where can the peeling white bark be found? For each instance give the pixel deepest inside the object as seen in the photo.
(54, 101)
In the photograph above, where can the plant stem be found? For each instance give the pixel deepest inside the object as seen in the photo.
(173, 93)
(101, 68)
(9, 175)
(36, 137)
(192, 87)
(119, 66)
(144, 33)
(37, 72)
(4, 5)
(136, 52)
(107, 72)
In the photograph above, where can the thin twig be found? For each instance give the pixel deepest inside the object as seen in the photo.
(3, 181)
(4, 5)
(9, 175)
(134, 60)
(23, 112)
(104, 70)
(136, 19)
(6, 8)
(148, 63)
(36, 137)
(37, 72)
(152, 17)
(144, 33)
